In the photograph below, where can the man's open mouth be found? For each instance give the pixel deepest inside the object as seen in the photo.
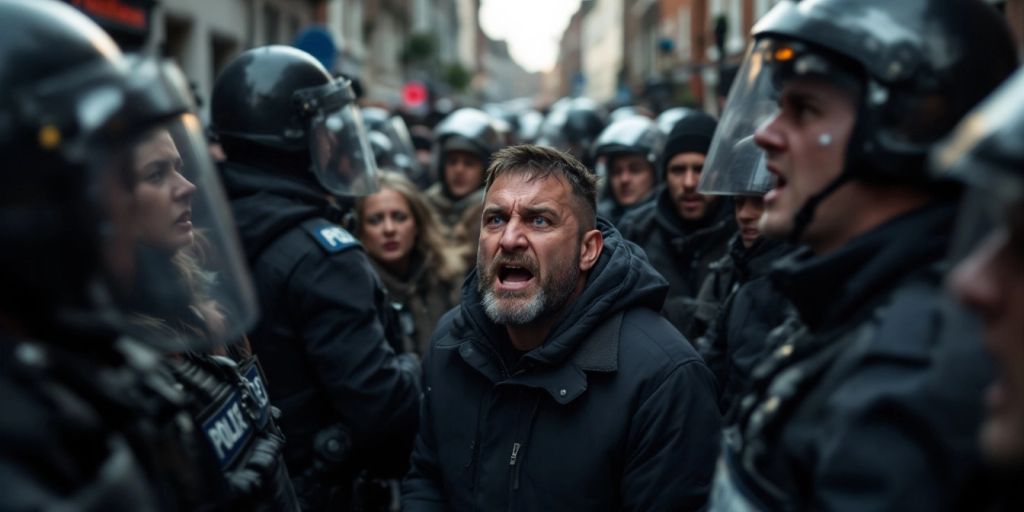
(514, 274)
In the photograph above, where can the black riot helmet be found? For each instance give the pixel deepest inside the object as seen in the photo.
(637, 134)
(914, 66)
(281, 100)
(573, 127)
(395, 149)
(89, 139)
(985, 153)
(466, 129)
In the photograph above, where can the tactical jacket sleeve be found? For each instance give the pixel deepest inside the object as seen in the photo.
(679, 416)
(334, 301)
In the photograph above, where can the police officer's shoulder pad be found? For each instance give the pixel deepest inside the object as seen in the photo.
(332, 237)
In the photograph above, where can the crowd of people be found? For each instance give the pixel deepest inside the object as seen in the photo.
(813, 302)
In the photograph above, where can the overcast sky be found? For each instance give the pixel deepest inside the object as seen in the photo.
(532, 28)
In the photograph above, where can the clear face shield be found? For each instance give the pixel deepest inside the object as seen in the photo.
(744, 172)
(183, 283)
(343, 160)
(405, 152)
(172, 264)
(735, 164)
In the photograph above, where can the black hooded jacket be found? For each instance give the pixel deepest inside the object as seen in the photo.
(681, 251)
(868, 396)
(322, 332)
(737, 307)
(738, 266)
(615, 411)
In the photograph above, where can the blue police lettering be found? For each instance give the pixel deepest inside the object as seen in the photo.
(336, 236)
(226, 431)
(258, 391)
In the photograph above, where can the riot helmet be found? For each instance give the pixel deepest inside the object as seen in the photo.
(985, 153)
(913, 68)
(506, 121)
(467, 129)
(637, 135)
(530, 122)
(108, 186)
(628, 111)
(278, 99)
(573, 128)
(397, 151)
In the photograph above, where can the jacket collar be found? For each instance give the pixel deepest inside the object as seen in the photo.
(564, 382)
(832, 289)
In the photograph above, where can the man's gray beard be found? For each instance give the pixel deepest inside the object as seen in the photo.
(547, 301)
(521, 315)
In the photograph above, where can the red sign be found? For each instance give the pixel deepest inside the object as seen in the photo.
(116, 11)
(414, 94)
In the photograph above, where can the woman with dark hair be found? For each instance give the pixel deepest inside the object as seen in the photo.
(193, 312)
(405, 242)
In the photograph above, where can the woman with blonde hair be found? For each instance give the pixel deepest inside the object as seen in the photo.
(408, 249)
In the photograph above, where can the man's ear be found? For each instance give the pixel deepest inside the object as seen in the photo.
(590, 251)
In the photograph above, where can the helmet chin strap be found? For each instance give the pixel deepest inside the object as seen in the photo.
(805, 214)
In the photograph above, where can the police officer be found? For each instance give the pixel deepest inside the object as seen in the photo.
(986, 154)
(463, 144)
(296, 155)
(92, 421)
(737, 305)
(851, 409)
(625, 155)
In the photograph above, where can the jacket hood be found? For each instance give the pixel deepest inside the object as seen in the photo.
(622, 279)
(267, 203)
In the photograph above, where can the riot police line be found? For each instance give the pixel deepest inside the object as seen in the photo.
(184, 336)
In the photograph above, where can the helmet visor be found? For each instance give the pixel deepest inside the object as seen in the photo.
(172, 251)
(735, 165)
(343, 159)
(744, 172)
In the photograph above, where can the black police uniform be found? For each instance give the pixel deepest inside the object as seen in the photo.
(851, 410)
(322, 336)
(296, 146)
(232, 407)
(95, 424)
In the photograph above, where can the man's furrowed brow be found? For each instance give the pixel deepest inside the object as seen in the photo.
(541, 210)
